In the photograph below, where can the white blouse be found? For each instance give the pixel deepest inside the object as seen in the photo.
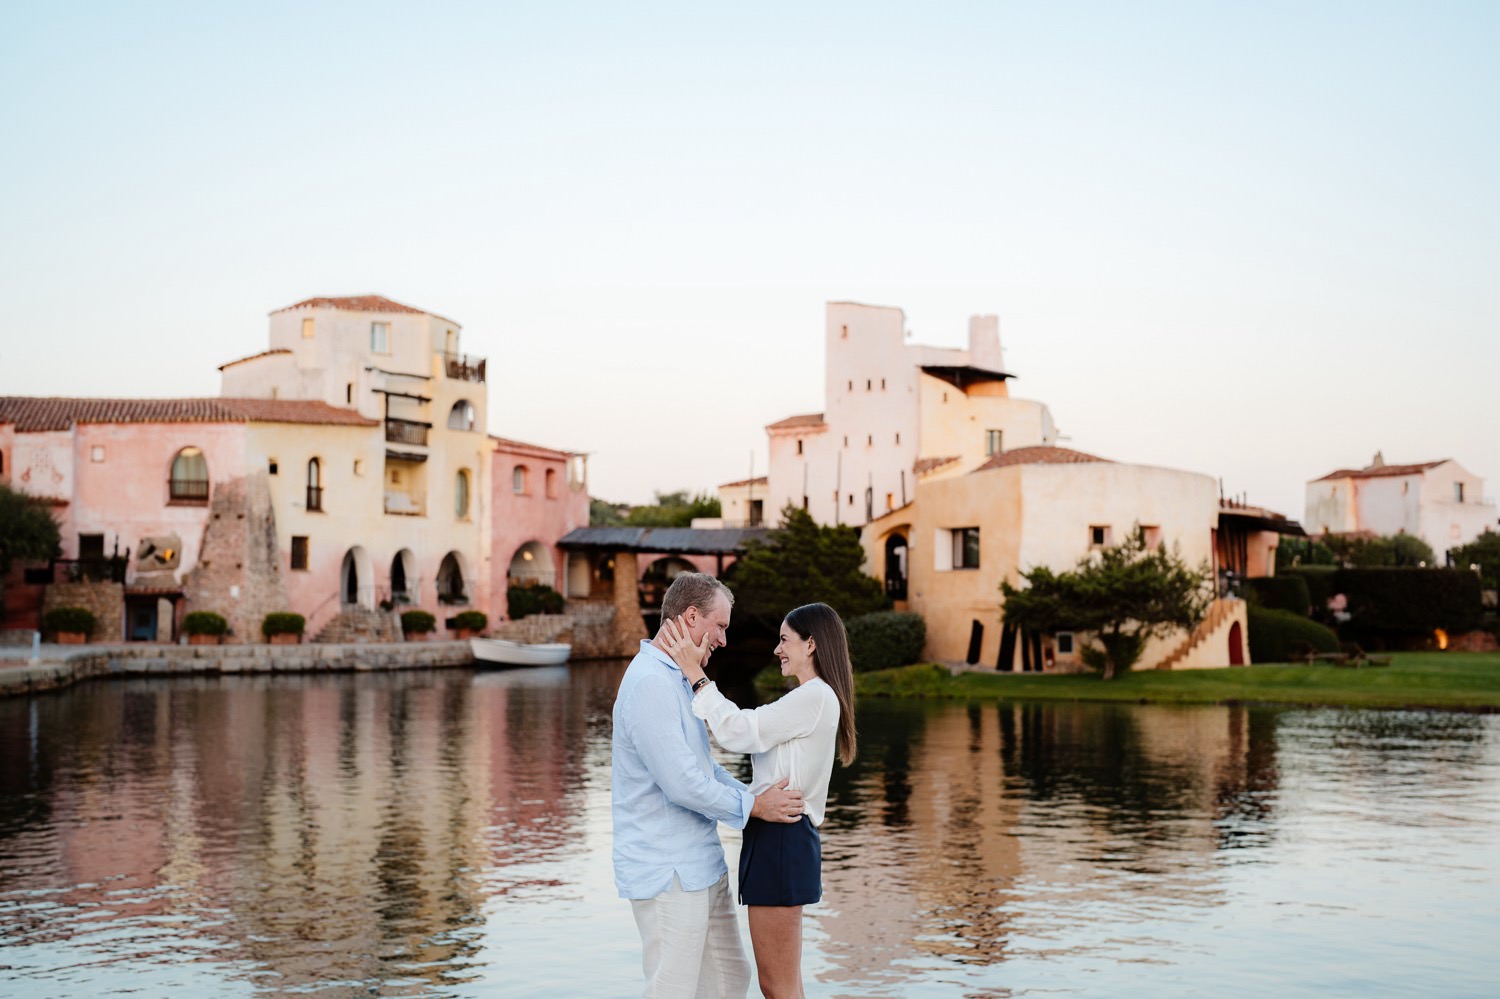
(794, 737)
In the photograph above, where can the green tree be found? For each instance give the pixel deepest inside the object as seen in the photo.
(27, 530)
(803, 563)
(1483, 551)
(1372, 553)
(1122, 595)
(603, 513)
(1293, 552)
(673, 510)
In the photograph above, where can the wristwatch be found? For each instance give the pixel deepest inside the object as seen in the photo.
(700, 684)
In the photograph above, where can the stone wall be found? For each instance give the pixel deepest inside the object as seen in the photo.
(105, 600)
(628, 628)
(238, 573)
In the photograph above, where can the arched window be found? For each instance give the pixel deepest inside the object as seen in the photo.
(461, 416)
(461, 494)
(189, 482)
(518, 480)
(551, 483)
(314, 484)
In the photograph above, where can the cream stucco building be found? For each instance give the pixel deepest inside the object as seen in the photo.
(1440, 502)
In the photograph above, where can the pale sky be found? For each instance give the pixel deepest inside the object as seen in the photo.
(1258, 241)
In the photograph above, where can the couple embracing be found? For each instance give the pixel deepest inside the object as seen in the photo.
(669, 796)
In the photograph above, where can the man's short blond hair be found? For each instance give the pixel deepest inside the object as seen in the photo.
(692, 589)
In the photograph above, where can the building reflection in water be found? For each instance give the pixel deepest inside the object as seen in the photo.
(955, 819)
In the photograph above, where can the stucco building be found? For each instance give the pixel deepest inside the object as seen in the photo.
(346, 469)
(1439, 501)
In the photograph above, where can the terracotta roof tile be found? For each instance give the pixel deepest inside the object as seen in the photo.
(925, 465)
(1040, 456)
(253, 357)
(761, 481)
(808, 420)
(1380, 471)
(354, 303)
(538, 450)
(32, 414)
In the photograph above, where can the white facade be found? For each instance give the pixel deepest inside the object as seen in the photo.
(888, 405)
(1438, 501)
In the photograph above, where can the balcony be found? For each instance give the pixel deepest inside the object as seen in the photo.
(464, 368)
(406, 431)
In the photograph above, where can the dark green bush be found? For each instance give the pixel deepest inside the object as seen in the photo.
(1288, 592)
(79, 620)
(524, 601)
(469, 620)
(1319, 580)
(1276, 634)
(1391, 602)
(205, 623)
(282, 623)
(417, 622)
(885, 639)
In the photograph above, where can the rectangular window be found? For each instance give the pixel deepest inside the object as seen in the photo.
(992, 441)
(966, 548)
(1153, 536)
(96, 455)
(799, 447)
(380, 338)
(90, 547)
(1064, 643)
(1458, 492)
(299, 551)
(1098, 535)
(307, 328)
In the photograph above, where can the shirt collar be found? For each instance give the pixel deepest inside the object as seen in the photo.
(648, 649)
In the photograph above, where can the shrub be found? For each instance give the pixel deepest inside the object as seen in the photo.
(524, 601)
(469, 620)
(1276, 634)
(1287, 592)
(205, 623)
(885, 639)
(1319, 580)
(417, 622)
(1388, 602)
(282, 623)
(79, 620)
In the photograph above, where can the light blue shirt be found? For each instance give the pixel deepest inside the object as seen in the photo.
(667, 793)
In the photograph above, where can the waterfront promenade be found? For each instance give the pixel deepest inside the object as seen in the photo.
(58, 666)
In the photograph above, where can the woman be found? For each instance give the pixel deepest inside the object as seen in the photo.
(793, 738)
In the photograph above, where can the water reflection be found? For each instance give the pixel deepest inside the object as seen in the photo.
(447, 834)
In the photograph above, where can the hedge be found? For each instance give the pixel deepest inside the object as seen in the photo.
(205, 623)
(282, 623)
(1319, 580)
(78, 620)
(524, 601)
(885, 639)
(1276, 634)
(1287, 592)
(1388, 601)
(469, 620)
(417, 622)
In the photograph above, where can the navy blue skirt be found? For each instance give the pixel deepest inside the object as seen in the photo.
(781, 863)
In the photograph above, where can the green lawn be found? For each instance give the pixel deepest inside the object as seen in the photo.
(1466, 680)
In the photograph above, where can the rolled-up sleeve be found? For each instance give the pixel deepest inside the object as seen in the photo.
(676, 766)
(756, 730)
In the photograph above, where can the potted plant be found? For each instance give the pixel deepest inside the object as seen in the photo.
(205, 628)
(70, 625)
(283, 628)
(416, 625)
(468, 624)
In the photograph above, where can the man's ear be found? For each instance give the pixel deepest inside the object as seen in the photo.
(690, 616)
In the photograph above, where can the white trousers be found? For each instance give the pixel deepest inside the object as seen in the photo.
(692, 944)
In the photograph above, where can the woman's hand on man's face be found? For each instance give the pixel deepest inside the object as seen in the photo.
(687, 654)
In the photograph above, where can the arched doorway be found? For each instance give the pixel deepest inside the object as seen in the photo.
(356, 580)
(403, 579)
(895, 567)
(658, 576)
(1236, 645)
(452, 587)
(532, 565)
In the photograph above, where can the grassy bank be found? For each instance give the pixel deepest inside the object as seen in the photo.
(1453, 680)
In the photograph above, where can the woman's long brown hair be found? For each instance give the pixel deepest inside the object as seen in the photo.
(823, 625)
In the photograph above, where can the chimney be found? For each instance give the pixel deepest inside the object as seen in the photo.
(1378, 461)
(984, 343)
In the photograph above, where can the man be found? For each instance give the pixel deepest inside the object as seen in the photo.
(668, 798)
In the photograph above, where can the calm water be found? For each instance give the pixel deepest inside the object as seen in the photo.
(447, 834)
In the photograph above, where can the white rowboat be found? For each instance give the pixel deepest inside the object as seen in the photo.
(501, 652)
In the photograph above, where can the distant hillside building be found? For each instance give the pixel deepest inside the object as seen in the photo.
(1440, 502)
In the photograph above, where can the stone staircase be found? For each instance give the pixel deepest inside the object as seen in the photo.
(359, 624)
(1219, 612)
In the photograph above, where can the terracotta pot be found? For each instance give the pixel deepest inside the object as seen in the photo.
(464, 634)
(72, 638)
(286, 639)
(418, 636)
(203, 639)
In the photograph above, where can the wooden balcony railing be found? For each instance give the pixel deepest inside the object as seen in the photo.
(406, 431)
(465, 368)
